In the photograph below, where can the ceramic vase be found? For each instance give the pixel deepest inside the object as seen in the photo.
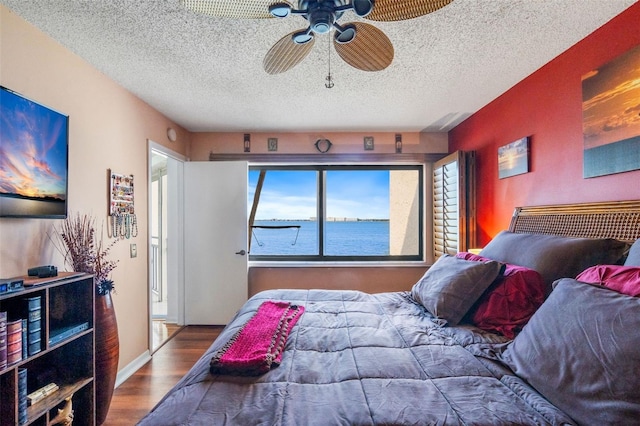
(107, 354)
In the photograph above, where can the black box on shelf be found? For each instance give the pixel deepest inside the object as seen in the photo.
(63, 333)
(11, 285)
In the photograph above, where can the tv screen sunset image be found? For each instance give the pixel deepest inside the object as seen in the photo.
(33, 158)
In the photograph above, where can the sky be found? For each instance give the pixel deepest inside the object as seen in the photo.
(611, 101)
(33, 148)
(292, 194)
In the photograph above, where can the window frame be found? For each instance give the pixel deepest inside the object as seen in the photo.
(322, 169)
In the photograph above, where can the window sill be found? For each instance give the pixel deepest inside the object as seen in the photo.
(302, 264)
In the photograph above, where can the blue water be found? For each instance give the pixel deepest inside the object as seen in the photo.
(617, 157)
(15, 206)
(342, 238)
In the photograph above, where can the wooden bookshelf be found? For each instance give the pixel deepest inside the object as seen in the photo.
(67, 304)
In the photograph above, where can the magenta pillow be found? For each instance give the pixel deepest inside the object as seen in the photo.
(623, 279)
(508, 304)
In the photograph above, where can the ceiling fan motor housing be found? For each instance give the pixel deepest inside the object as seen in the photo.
(321, 14)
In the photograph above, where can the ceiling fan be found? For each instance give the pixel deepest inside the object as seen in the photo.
(361, 45)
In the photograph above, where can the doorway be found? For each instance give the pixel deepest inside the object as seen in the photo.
(166, 269)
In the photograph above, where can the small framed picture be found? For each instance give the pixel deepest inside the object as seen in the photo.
(368, 143)
(272, 144)
(513, 158)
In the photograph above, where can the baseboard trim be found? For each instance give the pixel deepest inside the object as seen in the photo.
(132, 367)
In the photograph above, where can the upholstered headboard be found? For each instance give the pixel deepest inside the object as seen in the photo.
(619, 220)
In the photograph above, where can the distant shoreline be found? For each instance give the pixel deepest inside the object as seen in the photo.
(329, 219)
(26, 197)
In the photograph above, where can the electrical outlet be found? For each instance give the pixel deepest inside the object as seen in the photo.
(133, 248)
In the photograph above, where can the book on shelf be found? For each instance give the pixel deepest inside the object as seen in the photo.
(25, 351)
(33, 313)
(38, 395)
(3, 340)
(22, 395)
(14, 341)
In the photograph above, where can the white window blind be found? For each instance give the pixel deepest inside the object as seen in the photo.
(454, 203)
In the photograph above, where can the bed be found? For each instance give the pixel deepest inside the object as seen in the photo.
(540, 328)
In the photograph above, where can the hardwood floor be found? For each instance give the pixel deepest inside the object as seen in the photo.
(140, 393)
(162, 331)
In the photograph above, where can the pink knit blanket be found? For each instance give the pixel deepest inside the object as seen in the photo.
(258, 345)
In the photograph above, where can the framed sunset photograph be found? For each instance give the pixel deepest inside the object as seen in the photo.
(513, 158)
(611, 116)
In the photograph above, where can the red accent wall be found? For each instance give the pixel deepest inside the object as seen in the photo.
(547, 106)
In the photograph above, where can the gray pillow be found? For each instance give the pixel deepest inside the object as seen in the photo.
(451, 286)
(552, 256)
(581, 351)
(634, 255)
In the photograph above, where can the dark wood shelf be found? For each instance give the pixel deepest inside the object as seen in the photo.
(66, 300)
(50, 402)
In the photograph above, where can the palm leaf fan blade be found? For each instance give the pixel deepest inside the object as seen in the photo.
(400, 10)
(242, 9)
(286, 54)
(370, 50)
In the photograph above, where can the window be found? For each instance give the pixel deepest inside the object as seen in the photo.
(336, 212)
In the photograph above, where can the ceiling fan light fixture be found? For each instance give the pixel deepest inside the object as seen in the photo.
(302, 37)
(321, 27)
(345, 34)
(280, 10)
(362, 7)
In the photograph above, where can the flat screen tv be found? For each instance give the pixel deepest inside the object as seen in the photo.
(34, 142)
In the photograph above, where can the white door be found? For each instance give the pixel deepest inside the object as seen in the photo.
(215, 240)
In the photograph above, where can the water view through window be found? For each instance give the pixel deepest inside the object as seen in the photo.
(354, 205)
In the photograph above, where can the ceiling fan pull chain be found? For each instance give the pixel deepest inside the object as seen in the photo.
(329, 84)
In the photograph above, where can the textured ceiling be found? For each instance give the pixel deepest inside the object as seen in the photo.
(206, 73)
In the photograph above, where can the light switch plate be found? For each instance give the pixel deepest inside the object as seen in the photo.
(133, 248)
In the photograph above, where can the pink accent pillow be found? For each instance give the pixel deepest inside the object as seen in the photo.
(623, 279)
(510, 301)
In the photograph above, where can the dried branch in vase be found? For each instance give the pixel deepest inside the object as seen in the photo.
(76, 240)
